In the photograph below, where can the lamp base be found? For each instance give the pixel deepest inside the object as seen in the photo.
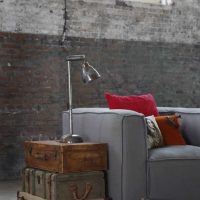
(71, 139)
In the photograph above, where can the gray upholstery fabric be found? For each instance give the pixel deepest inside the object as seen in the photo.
(176, 152)
(167, 173)
(174, 173)
(125, 133)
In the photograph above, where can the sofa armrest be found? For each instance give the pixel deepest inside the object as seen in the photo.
(125, 133)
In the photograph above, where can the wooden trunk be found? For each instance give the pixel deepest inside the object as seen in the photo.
(27, 196)
(71, 186)
(65, 158)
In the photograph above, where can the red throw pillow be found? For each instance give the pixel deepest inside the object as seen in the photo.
(169, 127)
(143, 104)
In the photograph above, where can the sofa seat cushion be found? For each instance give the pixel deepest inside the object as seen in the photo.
(172, 170)
(179, 152)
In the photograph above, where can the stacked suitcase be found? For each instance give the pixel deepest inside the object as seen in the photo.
(87, 183)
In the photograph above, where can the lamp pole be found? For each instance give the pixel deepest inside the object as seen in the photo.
(70, 97)
(71, 138)
(89, 74)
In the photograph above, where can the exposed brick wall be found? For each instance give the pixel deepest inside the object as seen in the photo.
(127, 20)
(39, 16)
(110, 19)
(138, 48)
(31, 94)
(34, 88)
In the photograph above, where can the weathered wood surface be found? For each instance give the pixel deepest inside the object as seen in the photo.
(61, 157)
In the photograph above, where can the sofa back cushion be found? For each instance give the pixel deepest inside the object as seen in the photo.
(190, 122)
(169, 126)
(154, 136)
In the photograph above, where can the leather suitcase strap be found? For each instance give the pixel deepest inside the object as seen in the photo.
(49, 185)
(74, 191)
(27, 196)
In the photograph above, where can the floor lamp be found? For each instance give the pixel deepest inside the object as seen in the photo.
(89, 74)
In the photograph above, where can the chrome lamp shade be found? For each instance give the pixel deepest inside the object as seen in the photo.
(89, 74)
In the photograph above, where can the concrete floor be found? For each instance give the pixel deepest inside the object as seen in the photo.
(8, 190)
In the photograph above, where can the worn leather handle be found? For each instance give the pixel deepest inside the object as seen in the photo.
(74, 189)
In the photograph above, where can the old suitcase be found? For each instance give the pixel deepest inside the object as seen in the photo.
(40, 183)
(71, 186)
(28, 180)
(34, 182)
(74, 186)
(62, 157)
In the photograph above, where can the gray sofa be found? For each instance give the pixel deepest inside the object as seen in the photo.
(167, 173)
